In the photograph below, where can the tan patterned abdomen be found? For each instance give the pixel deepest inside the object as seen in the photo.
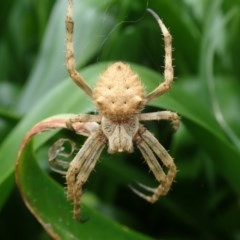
(119, 93)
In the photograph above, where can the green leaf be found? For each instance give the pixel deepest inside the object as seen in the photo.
(49, 70)
(47, 202)
(51, 104)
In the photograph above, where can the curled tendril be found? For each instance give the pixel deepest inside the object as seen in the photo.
(59, 153)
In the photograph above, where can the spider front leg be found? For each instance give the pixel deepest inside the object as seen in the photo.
(70, 60)
(150, 149)
(168, 68)
(81, 167)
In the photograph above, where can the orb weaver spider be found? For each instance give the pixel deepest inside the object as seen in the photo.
(119, 97)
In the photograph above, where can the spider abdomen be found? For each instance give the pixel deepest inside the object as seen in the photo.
(119, 93)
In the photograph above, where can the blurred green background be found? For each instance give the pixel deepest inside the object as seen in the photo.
(204, 200)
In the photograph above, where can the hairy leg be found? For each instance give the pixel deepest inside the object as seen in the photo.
(83, 118)
(70, 60)
(162, 115)
(150, 149)
(168, 68)
(81, 167)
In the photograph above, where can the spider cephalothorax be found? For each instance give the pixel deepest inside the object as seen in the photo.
(119, 97)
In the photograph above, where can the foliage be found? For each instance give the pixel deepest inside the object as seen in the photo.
(204, 200)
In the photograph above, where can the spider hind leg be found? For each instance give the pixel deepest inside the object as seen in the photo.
(81, 167)
(151, 149)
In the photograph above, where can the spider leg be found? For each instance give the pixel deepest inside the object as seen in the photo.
(168, 68)
(81, 167)
(162, 115)
(83, 118)
(150, 149)
(70, 60)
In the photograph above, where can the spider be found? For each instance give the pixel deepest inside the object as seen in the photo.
(119, 97)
